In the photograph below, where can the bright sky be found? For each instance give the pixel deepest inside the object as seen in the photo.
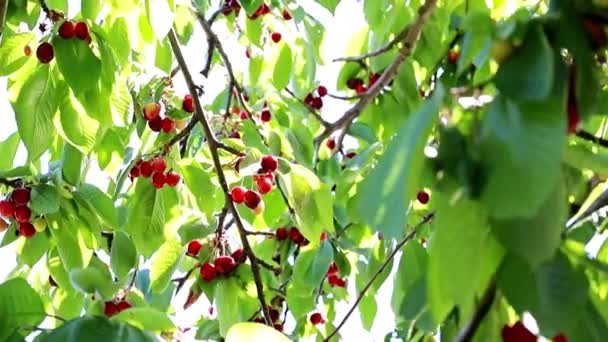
(348, 19)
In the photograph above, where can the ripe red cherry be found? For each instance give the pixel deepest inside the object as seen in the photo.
(158, 180)
(67, 30)
(45, 52)
(264, 185)
(21, 196)
(333, 268)
(560, 338)
(266, 115)
(286, 15)
(235, 135)
(124, 305)
(423, 197)
(350, 155)
(146, 169)
(373, 78)
(269, 164)
(7, 208)
(276, 37)
(252, 199)
(151, 111)
(316, 103)
(238, 255)
(452, 56)
(360, 89)
(331, 143)
(322, 91)
(281, 234)
(27, 229)
(188, 103)
(353, 83)
(517, 333)
(172, 178)
(159, 164)
(274, 314)
(244, 115)
(156, 124)
(238, 194)
(167, 125)
(81, 30)
(278, 327)
(135, 172)
(295, 235)
(316, 318)
(334, 280)
(224, 264)
(309, 99)
(208, 272)
(194, 247)
(110, 309)
(22, 214)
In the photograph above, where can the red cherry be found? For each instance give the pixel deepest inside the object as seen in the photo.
(517, 333)
(237, 255)
(350, 155)
(252, 199)
(309, 99)
(353, 83)
(322, 91)
(45, 52)
(146, 169)
(194, 247)
(560, 338)
(295, 235)
(188, 103)
(269, 164)
(27, 229)
(156, 124)
(21, 196)
(151, 111)
(224, 264)
(452, 56)
(124, 305)
(333, 268)
(331, 143)
(316, 103)
(208, 272)
(110, 309)
(235, 135)
(158, 180)
(423, 197)
(278, 327)
(244, 115)
(316, 318)
(67, 30)
(167, 125)
(22, 214)
(172, 178)
(264, 185)
(341, 283)
(7, 208)
(360, 89)
(266, 116)
(373, 78)
(286, 14)
(276, 37)
(238, 194)
(281, 234)
(259, 320)
(81, 30)
(274, 314)
(135, 172)
(323, 236)
(159, 164)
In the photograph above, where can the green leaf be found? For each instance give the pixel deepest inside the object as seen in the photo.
(9, 149)
(75, 125)
(254, 332)
(97, 329)
(34, 105)
(79, 66)
(56, 269)
(374, 11)
(100, 203)
(164, 56)
(209, 329)
(69, 236)
(11, 52)
(20, 306)
(148, 319)
(329, 4)
(253, 30)
(71, 164)
(311, 264)
(164, 264)
(311, 200)
(32, 249)
(282, 68)
(67, 303)
(300, 299)
(529, 73)
(44, 199)
(251, 6)
(123, 255)
(412, 269)
(234, 305)
(94, 281)
(384, 193)
(90, 8)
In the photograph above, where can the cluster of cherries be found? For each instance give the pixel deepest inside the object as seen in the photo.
(358, 85)
(333, 276)
(67, 30)
(155, 168)
(155, 121)
(222, 265)
(16, 207)
(293, 234)
(315, 101)
(111, 308)
(264, 182)
(275, 316)
(519, 333)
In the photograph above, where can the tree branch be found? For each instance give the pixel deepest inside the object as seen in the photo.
(213, 148)
(468, 332)
(390, 257)
(409, 41)
(398, 38)
(591, 137)
(182, 280)
(311, 110)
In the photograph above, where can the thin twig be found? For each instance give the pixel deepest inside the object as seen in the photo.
(291, 210)
(213, 148)
(468, 332)
(398, 38)
(591, 137)
(251, 232)
(390, 257)
(345, 98)
(268, 266)
(182, 280)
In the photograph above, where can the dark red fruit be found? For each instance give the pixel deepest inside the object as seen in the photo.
(333, 268)
(124, 305)
(423, 197)
(572, 107)
(21, 196)
(560, 338)
(274, 314)
(151, 111)
(158, 180)
(194, 247)
(266, 115)
(316, 103)
(7, 208)
(295, 235)
(135, 172)
(373, 78)
(281, 234)
(353, 83)
(323, 236)
(252, 199)
(244, 115)
(321, 91)
(167, 125)
(331, 143)
(360, 89)
(224, 264)
(81, 30)
(110, 309)
(67, 30)
(172, 178)
(208, 272)
(27, 229)
(517, 333)
(159, 164)
(334, 280)
(238, 194)
(452, 56)
(188, 103)
(308, 99)
(350, 155)
(286, 14)
(269, 164)
(45, 52)
(235, 135)
(316, 318)
(146, 169)
(156, 124)
(238, 255)
(22, 214)
(276, 37)
(264, 185)
(278, 327)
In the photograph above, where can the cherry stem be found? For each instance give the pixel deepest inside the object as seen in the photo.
(182, 280)
(591, 137)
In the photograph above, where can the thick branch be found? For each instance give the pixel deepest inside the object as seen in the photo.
(468, 332)
(390, 257)
(213, 148)
(400, 36)
(3, 9)
(409, 41)
(591, 137)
